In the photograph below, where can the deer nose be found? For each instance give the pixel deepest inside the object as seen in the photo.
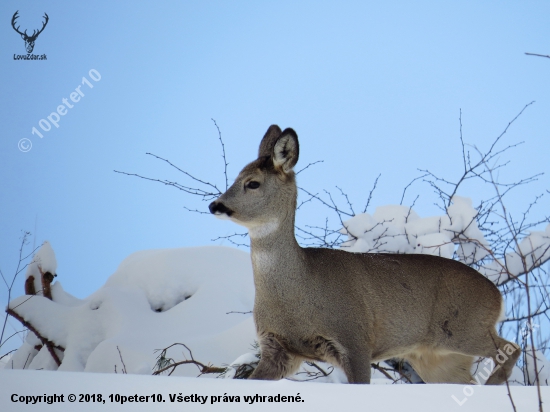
(218, 208)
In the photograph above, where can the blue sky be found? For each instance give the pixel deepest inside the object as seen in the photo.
(370, 87)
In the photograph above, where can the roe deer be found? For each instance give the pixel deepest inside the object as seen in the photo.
(351, 309)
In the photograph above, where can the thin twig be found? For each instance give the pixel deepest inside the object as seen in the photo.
(310, 164)
(223, 155)
(173, 365)
(539, 55)
(122, 360)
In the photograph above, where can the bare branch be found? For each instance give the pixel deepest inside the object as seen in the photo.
(371, 192)
(50, 345)
(7, 353)
(225, 164)
(122, 360)
(310, 164)
(191, 190)
(19, 269)
(539, 55)
(409, 185)
(347, 200)
(230, 239)
(164, 363)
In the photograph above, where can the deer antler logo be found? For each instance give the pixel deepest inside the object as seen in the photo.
(29, 40)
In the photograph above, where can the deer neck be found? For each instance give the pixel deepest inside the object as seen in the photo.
(272, 242)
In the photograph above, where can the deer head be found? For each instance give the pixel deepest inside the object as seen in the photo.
(264, 193)
(29, 40)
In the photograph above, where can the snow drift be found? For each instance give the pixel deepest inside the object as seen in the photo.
(154, 299)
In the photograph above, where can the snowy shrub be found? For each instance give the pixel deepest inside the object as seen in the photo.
(155, 298)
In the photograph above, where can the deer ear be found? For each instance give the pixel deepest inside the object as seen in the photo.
(286, 151)
(270, 137)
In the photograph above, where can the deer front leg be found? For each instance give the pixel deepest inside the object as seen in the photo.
(276, 362)
(356, 365)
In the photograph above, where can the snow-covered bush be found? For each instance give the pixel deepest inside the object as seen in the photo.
(155, 298)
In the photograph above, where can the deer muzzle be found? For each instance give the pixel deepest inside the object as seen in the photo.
(218, 208)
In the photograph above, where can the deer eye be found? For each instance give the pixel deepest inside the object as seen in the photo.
(253, 184)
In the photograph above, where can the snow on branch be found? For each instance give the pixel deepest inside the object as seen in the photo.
(46, 342)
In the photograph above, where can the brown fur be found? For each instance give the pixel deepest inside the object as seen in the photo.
(353, 309)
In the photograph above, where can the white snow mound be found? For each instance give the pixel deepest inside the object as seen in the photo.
(154, 299)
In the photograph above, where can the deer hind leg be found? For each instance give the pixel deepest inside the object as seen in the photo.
(490, 345)
(276, 362)
(436, 367)
(505, 355)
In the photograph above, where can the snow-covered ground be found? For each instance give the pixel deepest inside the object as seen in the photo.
(313, 396)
